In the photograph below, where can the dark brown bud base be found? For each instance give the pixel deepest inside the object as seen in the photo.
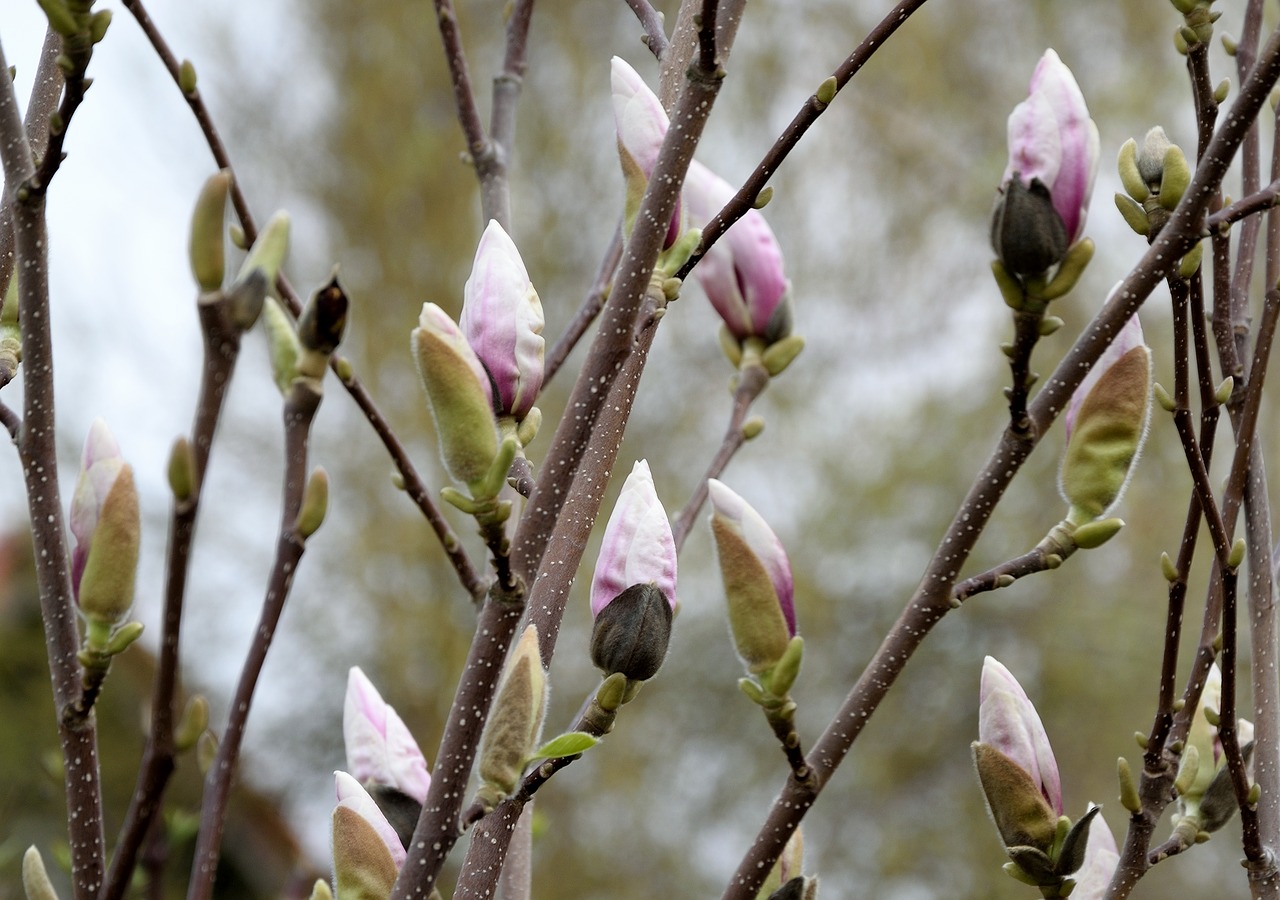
(1026, 231)
(631, 633)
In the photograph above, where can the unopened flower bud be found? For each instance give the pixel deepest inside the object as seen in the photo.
(367, 852)
(1106, 424)
(1047, 184)
(742, 273)
(458, 393)
(641, 124)
(106, 523)
(516, 720)
(757, 579)
(633, 589)
(502, 320)
(380, 748)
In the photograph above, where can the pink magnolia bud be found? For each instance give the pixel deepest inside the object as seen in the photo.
(460, 395)
(1053, 155)
(638, 547)
(1106, 425)
(633, 590)
(380, 749)
(642, 125)
(502, 320)
(1008, 721)
(757, 579)
(106, 523)
(366, 849)
(742, 272)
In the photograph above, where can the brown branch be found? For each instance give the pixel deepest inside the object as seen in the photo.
(299, 411)
(752, 380)
(654, 37)
(415, 487)
(221, 350)
(37, 450)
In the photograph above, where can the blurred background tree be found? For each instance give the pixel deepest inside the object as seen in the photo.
(345, 116)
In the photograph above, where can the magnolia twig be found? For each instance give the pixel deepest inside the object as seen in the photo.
(299, 411)
(1258, 201)
(746, 197)
(45, 90)
(752, 381)
(587, 312)
(491, 169)
(414, 486)
(931, 600)
(37, 449)
(654, 37)
(11, 421)
(221, 350)
(592, 431)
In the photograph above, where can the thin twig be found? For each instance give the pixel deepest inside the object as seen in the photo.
(752, 380)
(415, 487)
(221, 350)
(37, 450)
(587, 312)
(654, 37)
(299, 411)
(746, 197)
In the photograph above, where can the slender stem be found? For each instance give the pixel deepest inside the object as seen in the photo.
(655, 38)
(221, 350)
(415, 487)
(45, 90)
(299, 411)
(587, 312)
(745, 199)
(752, 380)
(37, 450)
(932, 598)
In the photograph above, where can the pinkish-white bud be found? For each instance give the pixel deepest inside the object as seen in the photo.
(638, 546)
(1100, 860)
(1053, 140)
(106, 523)
(354, 848)
(742, 273)
(757, 579)
(1008, 722)
(380, 749)
(502, 320)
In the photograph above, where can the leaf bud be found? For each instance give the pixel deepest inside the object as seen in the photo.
(315, 503)
(1128, 787)
(99, 22)
(208, 257)
(35, 879)
(187, 77)
(182, 470)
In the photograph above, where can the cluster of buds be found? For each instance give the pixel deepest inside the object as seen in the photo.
(1106, 425)
(760, 594)
(1155, 176)
(1020, 782)
(106, 523)
(380, 795)
(633, 589)
(742, 273)
(1206, 795)
(482, 375)
(1197, 26)
(1044, 195)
